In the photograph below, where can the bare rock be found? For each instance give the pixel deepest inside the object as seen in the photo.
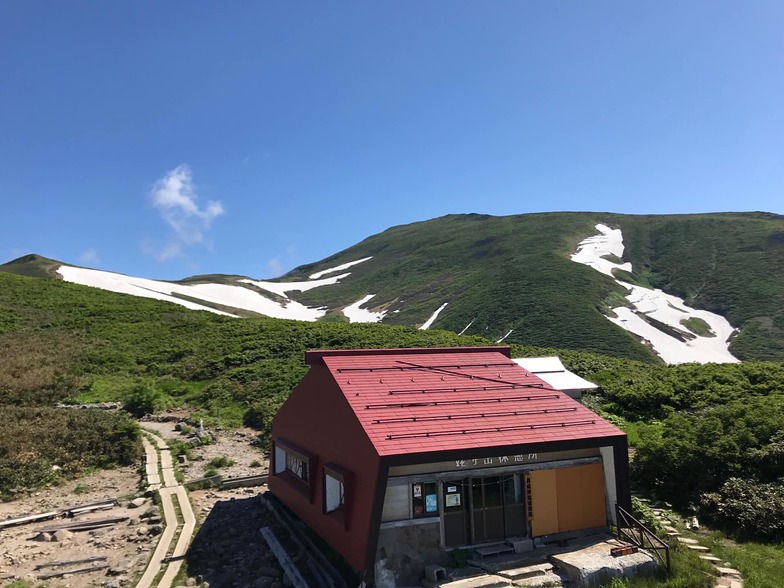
(46, 537)
(119, 569)
(62, 535)
(137, 502)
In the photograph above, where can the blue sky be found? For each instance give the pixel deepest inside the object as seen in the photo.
(165, 139)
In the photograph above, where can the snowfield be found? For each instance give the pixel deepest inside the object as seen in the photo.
(355, 314)
(337, 268)
(225, 294)
(222, 294)
(505, 336)
(281, 288)
(431, 320)
(657, 305)
(466, 327)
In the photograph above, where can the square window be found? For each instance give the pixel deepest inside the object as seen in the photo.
(298, 466)
(293, 462)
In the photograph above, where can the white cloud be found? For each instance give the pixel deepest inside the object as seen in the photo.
(89, 257)
(275, 266)
(174, 196)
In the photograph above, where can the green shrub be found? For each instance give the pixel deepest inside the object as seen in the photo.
(748, 507)
(644, 514)
(220, 462)
(458, 557)
(145, 399)
(33, 439)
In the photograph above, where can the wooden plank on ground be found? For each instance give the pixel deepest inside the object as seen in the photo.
(244, 482)
(107, 501)
(29, 519)
(76, 571)
(69, 562)
(84, 525)
(288, 566)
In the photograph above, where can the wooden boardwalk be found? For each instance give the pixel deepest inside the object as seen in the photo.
(164, 481)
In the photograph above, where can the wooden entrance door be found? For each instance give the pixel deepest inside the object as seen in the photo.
(456, 521)
(515, 517)
(487, 509)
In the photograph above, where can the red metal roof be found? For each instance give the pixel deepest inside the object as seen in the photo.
(424, 400)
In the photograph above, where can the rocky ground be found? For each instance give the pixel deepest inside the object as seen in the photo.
(227, 549)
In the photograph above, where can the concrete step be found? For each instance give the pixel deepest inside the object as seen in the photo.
(727, 582)
(688, 541)
(697, 548)
(710, 558)
(496, 549)
(673, 534)
(484, 581)
(549, 580)
(731, 572)
(670, 528)
(526, 571)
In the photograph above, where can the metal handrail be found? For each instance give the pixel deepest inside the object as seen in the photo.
(627, 524)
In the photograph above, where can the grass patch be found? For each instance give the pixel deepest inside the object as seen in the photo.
(688, 571)
(698, 326)
(762, 564)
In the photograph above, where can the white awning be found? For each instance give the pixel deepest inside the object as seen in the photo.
(552, 371)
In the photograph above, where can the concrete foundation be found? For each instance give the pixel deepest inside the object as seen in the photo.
(404, 552)
(594, 566)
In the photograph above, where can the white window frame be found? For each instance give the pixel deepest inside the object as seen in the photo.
(334, 493)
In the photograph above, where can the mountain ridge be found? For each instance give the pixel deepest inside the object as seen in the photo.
(512, 278)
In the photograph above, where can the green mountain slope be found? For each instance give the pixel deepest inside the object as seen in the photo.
(514, 273)
(511, 279)
(730, 264)
(33, 266)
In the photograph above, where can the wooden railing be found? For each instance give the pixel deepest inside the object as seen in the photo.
(633, 531)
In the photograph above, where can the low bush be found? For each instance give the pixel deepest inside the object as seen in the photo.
(145, 399)
(751, 509)
(220, 462)
(33, 440)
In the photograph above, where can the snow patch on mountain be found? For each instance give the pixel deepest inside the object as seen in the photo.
(466, 327)
(282, 288)
(505, 336)
(431, 320)
(656, 305)
(593, 250)
(355, 314)
(337, 268)
(220, 294)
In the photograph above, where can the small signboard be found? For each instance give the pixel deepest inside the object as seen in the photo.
(431, 503)
(452, 500)
(417, 490)
(451, 489)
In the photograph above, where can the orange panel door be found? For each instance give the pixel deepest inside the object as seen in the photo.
(543, 506)
(581, 500)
